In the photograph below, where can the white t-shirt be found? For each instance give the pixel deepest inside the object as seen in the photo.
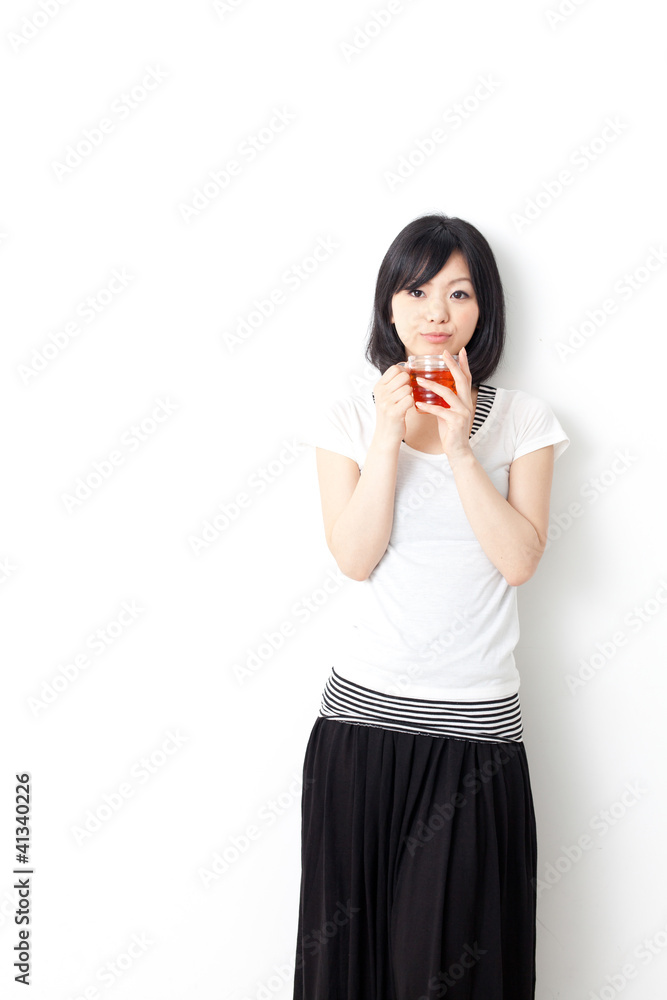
(435, 610)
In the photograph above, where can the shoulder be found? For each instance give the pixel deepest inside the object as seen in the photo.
(344, 424)
(532, 421)
(518, 404)
(353, 413)
(518, 399)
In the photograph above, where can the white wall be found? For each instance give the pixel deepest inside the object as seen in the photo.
(226, 414)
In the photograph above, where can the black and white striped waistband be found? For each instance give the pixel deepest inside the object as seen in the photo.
(497, 720)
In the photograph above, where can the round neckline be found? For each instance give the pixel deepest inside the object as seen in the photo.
(473, 437)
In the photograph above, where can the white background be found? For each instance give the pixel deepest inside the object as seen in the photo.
(228, 412)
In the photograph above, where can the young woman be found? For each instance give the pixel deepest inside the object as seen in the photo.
(419, 849)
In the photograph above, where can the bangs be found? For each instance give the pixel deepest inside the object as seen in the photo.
(423, 260)
(416, 255)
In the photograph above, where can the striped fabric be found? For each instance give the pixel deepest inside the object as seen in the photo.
(485, 396)
(496, 721)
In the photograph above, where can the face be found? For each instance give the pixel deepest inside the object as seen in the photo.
(442, 313)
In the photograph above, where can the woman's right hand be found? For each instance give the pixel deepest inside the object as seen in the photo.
(393, 399)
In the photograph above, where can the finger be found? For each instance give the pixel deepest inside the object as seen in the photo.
(437, 387)
(434, 408)
(438, 409)
(463, 361)
(444, 391)
(395, 372)
(462, 376)
(455, 368)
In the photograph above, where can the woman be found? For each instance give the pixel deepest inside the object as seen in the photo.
(419, 848)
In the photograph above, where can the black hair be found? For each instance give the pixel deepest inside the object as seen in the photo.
(417, 254)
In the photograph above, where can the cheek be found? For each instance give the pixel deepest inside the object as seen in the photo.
(394, 310)
(474, 313)
(401, 312)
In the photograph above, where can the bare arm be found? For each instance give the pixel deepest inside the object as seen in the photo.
(358, 508)
(512, 532)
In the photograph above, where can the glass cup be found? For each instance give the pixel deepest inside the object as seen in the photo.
(434, 367)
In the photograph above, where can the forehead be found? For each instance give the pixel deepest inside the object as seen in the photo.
(455, 267)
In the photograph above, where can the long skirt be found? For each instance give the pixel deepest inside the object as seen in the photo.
(419, 868)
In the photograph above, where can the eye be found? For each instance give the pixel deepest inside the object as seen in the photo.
(459, 291)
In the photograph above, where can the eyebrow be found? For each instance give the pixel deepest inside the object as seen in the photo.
(454, 281)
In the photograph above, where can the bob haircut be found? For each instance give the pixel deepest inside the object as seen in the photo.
(417, 254)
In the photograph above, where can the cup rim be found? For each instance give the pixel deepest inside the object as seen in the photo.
(430, 357)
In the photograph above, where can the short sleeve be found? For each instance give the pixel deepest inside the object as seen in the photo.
(536, 426)
(333, 429)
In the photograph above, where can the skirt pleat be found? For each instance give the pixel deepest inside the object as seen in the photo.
(419, 861)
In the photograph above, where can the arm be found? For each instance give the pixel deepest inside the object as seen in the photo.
(358, 508)
(512, 532)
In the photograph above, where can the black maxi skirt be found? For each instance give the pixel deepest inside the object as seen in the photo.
(419, 868)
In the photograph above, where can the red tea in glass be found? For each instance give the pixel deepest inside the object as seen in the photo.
(431, 366)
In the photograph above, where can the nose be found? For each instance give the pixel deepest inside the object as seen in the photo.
(437, 310)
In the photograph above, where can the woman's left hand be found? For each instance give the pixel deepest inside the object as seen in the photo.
(454, 423)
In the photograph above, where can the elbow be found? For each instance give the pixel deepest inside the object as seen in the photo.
(358, 576)
(354, 572)
(522, 572)
(351, 569)
(518, 575)
(350, 563)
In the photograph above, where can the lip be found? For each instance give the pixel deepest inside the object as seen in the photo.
(436, 337)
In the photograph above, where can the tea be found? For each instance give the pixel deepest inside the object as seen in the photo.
(423, 395)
